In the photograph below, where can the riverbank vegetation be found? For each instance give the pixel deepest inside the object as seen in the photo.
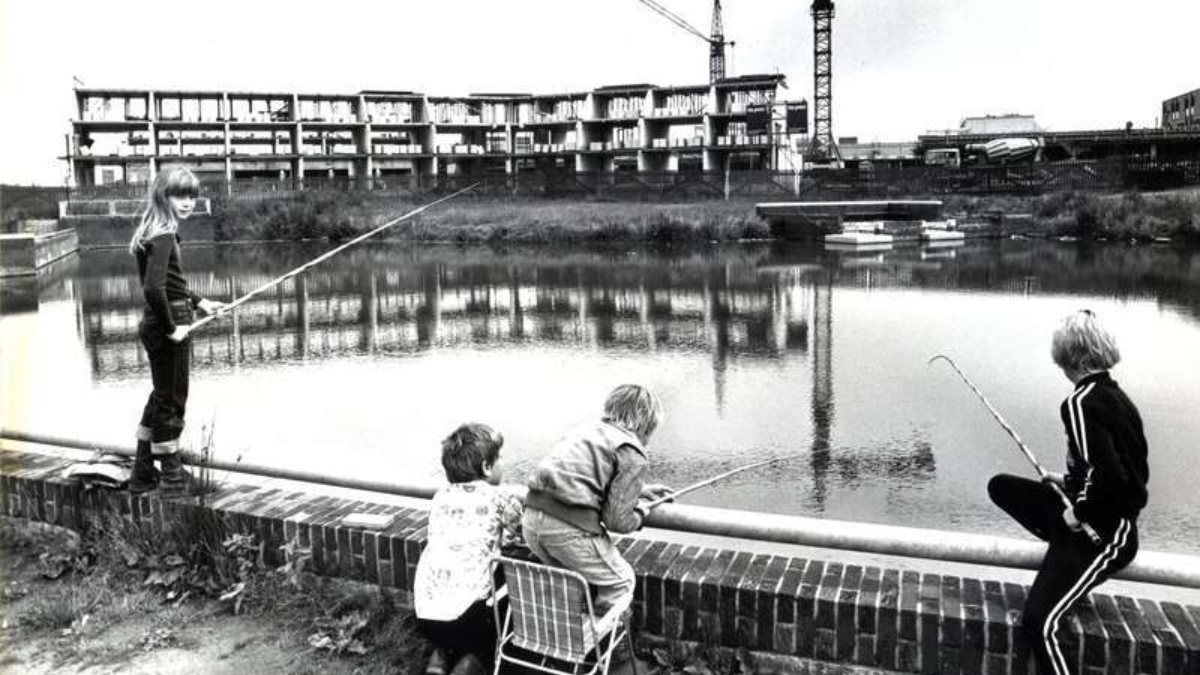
(1130, 216)
(471, 219)
(194, 599)
(475, 220)
(187, 600)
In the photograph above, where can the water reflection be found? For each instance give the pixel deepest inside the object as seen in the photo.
(771, 350)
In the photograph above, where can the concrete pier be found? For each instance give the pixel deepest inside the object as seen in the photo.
(814, 220)
(24, 254)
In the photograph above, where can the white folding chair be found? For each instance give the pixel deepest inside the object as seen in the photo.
(550, 617)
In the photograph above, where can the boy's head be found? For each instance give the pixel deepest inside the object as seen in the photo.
(470, 453)
(634, 409)
(1082, 345)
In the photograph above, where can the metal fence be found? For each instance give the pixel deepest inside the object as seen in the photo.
(819, 184)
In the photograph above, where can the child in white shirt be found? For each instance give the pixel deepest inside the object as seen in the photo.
(469, 521)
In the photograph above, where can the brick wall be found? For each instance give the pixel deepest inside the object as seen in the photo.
(776, 605)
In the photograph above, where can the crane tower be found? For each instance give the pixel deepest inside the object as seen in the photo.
(716, 41)
(823, 147)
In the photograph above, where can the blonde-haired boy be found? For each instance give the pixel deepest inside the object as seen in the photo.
(1105, 482)
(592, 484)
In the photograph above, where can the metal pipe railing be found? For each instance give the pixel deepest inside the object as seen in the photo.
(1150, 566)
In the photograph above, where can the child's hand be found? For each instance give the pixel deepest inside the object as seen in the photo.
(209, 307)
(1052, 478)
(1069, 518)
(655, 491)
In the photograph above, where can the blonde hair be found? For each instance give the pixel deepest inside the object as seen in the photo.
(1081, 344)
(157, 217)
(635, 409)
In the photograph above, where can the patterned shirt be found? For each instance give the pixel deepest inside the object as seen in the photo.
(468, 524)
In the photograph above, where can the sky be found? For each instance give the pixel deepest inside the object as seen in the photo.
(900, 67)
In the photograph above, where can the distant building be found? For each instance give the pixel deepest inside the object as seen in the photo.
(992, 125)
(124, 135)
(876, 153)
(1180, 112)
(1000, 124)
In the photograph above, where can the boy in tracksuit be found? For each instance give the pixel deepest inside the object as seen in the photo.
(1105, 481)
(592, 484)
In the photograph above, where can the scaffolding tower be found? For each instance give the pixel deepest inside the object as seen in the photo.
(823, 148)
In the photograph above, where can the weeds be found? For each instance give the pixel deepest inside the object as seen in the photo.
(1130, 216)
(337, 216)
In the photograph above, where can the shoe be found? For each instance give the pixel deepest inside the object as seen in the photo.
(176, 481)
(144, 477)
(469, 664)
(437, 663)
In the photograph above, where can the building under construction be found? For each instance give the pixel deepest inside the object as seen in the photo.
(122, 136)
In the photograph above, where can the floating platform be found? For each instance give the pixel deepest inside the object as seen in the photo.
(813, 220)
(939, 235)
(858, 241)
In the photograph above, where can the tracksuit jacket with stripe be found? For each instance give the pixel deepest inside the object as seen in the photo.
(1106, 452)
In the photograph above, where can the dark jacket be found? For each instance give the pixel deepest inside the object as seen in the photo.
(162, 278)
(1106, 451)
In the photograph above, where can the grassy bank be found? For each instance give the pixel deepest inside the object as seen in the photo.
(338, 216)
(469, 219)
(1129, 216)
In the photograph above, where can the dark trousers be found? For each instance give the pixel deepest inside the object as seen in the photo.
(473, 631)
(1073, 565)
(170, 363)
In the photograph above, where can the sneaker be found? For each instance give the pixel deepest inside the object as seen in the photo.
(469, 664)
(437, 663)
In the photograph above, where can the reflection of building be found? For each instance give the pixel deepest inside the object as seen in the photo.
(124, 135)
(347, 310)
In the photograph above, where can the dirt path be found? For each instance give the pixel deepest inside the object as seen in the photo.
(107, 621)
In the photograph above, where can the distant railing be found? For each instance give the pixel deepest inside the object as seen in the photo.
(864, 182)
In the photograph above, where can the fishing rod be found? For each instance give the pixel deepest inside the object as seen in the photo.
(321, 258)
(1041, 471)
(709, 481)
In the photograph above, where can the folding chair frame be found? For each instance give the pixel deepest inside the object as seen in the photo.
(505, 636)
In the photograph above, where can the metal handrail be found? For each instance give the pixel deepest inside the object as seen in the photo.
(1170, 569)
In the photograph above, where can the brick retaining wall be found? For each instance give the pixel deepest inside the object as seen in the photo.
(811, 608)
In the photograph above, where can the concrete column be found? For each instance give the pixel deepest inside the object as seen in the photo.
(298, 163)
(152, 117)
(228, 158)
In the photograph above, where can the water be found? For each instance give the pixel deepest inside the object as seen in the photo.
(361, 366)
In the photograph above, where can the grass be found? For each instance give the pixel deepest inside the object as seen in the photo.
(1129, 216)
(70, 590)
(338, 216)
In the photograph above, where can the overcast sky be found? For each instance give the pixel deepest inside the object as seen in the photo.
(900, 67)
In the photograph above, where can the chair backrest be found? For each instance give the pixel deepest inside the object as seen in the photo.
(551, 610)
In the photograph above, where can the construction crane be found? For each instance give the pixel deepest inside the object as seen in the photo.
(823, 148)
(716, 39)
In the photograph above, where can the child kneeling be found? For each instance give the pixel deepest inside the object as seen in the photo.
(470, 520)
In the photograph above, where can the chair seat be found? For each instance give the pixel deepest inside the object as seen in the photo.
(550, 614)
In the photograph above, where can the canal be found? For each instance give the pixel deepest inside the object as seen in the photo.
(360, 367)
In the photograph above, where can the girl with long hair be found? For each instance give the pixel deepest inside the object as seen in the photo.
(164, 329)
